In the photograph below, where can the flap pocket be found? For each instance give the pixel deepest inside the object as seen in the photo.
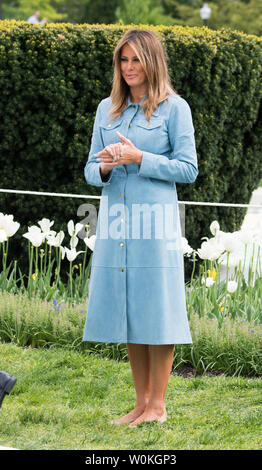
(109, 131)
(149, 125)
(108, 126)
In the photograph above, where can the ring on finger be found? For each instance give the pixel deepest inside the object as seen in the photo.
(109, 150)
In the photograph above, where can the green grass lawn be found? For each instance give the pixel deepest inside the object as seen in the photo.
(65, 399)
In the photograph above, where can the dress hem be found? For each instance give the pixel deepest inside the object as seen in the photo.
(121, 341)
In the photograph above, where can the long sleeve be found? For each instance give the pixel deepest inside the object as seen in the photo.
(92, 170)
(181, 166)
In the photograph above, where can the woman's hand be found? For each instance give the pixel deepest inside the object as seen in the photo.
(121, 153)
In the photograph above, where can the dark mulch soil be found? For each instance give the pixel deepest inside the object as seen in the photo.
(188, 371)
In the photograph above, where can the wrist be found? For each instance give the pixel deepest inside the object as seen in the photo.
(104, 173)
(139, 157)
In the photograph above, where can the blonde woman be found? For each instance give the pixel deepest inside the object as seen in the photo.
(142, 145)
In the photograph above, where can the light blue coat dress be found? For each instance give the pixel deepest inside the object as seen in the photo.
(137, 289)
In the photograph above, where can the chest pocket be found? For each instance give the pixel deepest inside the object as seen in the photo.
(151, 135)
(109, 131)
(149, 125)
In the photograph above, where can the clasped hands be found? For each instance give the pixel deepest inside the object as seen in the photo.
(121, 153)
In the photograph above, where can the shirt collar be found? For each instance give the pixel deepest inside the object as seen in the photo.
(129, 103)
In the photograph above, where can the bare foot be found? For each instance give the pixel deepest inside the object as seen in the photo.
(131, 416)
(150, 414)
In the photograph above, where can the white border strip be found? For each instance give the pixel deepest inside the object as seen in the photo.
(8, 448)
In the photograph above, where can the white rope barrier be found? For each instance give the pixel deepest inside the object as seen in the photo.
(87, 196)
(39, 193)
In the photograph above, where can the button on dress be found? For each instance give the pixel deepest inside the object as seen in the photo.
(137, 287)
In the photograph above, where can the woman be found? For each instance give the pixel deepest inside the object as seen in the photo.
(142, 144)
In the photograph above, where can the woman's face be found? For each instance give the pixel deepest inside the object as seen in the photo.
(131, 68)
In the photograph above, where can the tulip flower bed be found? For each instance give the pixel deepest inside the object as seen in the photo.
(239, 295)
(43, 278)
(225, 315)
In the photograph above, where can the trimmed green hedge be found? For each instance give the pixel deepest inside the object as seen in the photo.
(52, 78)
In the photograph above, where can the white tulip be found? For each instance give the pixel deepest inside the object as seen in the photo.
(34, 229)
(73, 242)
(230, 241)
(72, 229)
(60, 236)
(210, 249)
(51, 233)
(35, 235)
(4, 217)
(62, 249)
(231, 286)
(8, 225)
(11, 228)
(49, 236)
(72, 254)
(214, 227)
(45, 225)
(90, 242)
(187, 249)
(209, 281)
(55, 240)
(3, 237)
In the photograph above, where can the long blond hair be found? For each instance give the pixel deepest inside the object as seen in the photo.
(153, 59)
